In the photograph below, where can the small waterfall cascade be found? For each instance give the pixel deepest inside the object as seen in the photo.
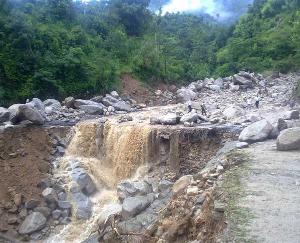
(107, 153)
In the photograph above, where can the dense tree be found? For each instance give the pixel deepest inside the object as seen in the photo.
(55, 48)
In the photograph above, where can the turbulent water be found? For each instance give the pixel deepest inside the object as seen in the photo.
(109, 153)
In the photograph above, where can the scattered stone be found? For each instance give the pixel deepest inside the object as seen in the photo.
(32, 203)
(200, 199)
(219, 207)
(64, 204)
(18, 199)
(133, 188)
(256, 132)
(56, 214)
(241, 145)
(233, 111)
(50, 195)
(69, 102)
(12, 219)
(93, 109)
(125, 118)
(32, 223)
(181, 184)
(289, 139)
(192, 191)
(134, 205)
(43, 210)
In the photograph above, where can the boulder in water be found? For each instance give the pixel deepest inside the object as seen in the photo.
(32, 223)
(258, 131)
(289, 139)
(84, 180)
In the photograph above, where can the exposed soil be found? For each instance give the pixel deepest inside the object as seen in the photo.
(24, 161)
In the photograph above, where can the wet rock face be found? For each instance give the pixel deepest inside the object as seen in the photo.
(33, 222)
(289, 139)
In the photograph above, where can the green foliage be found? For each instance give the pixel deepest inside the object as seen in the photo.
(56, 48)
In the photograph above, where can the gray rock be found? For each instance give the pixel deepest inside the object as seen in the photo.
(219, 82)
(84, 180)
(69, 102)
(289, 139)
(125, 118)
(169, 119)
(93, 109)
(241, 145)
(233, 111)
(50, 195)
(122, 106)
(83, 206)
(62, 196)
(114, 94)
(109, 100)
(239, 80)
(219, 207)
(281, 125)
(133, 188)
(43, 210)
(134, 205)
(37, 104)
(64, 204)
(213, 87)
(56, 214)
(164, 185)
(21, 112)
(186, 94)
(291, 115)
(258, 131)
(32, 223)
(4, 115)
(189, 117)
(97, 99)
(55, 104)
(32, 203)
(80, 102)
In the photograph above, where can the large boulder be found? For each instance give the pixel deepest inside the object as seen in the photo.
(4, 115)
(186, 94)
(233, 111)
(291, 115)
(168, 119)
(122, 106)
(38, 105)
(132, 206)
(214, 87)
(181, 184)
(109, 100)
(289, 139)
(93, 109)
(189, 117)
(258, 131)
(80, 102)
(83, 205)
(21, 112)
(239, 80)
(32, 223)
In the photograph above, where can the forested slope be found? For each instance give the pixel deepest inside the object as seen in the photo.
(56, 48)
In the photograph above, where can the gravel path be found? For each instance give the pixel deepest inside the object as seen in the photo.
(272, 187)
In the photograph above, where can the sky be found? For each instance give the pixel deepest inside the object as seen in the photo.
(208, 6)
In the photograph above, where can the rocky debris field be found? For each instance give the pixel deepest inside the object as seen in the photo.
(158, 207)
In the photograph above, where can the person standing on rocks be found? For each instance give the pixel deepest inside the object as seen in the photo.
(257, 100)
(203, 110)
(189, 106)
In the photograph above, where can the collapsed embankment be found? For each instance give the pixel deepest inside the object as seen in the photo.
(34, 159)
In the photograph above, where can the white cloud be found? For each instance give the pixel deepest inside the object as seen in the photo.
(174, 6)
